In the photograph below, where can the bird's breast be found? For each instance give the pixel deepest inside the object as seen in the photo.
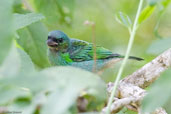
(58, 59)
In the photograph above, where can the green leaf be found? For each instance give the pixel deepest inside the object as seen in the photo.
(8, 94)
(33, 41)
(6, 27)
(146, 13)
(64, 85)
(11, 62)
(155, 99)
(153, 2)
(56, 11)
(165, 3)
(73, 81)
(163, 6)
(26, 63)
(65, 97)
(160, 45)
(22, 20)
(18, 62)
(124, 20)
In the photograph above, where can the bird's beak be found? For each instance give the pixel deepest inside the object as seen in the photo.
(51, 43)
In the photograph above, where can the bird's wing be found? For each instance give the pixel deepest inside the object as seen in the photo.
(83, 51)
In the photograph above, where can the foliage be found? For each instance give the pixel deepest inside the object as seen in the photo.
(28, 83)
(6, 29)
(22, 20)
(155, 99)
(159, 46)
(61, 10)
(124, 19)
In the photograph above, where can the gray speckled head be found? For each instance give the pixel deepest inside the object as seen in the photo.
(58, 34)
(60, 40)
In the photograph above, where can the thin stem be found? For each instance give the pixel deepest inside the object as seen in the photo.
(94, 46)
(131, 40)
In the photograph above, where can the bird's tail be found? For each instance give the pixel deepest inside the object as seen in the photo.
(130, 57)
(136, 58)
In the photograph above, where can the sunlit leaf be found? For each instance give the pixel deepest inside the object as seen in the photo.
(165, 3)
(160, 45)
(146, 13)
(22, 20)
(6, 27)
(159, 94)
(124, 19)
(33, 41)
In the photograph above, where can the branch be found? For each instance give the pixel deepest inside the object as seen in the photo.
(130, 91)
(149, 72)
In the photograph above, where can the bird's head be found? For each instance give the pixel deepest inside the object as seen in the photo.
(58, 41)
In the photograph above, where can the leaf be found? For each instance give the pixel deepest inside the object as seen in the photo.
(8, 94)
(163, 6)
(124, 20)
(64, 84)
(6, 27)
(33, 41)
(56, 11)
(18, 62)
(165, 3)
(63, 99)
(155, 99)
(146, 13)
(72, 82)
(153, 2)
(11, 62)
(160, 45)
(22, 20)
(26, 63)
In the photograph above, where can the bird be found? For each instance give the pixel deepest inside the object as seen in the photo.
(66, 51)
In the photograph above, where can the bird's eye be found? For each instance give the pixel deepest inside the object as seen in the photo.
(60, 40)
(49, 37)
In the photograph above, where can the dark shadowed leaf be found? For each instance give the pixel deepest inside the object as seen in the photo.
(6, 27)
(158, 46)
(159, 94)
(22, 20)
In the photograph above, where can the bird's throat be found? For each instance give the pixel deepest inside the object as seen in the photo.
(57, 58)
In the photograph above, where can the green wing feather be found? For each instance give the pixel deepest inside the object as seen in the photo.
(83, 51)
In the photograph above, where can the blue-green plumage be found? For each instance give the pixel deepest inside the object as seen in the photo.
(65, 51)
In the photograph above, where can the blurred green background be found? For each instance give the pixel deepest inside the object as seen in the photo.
(28, 84)
(109, 33)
